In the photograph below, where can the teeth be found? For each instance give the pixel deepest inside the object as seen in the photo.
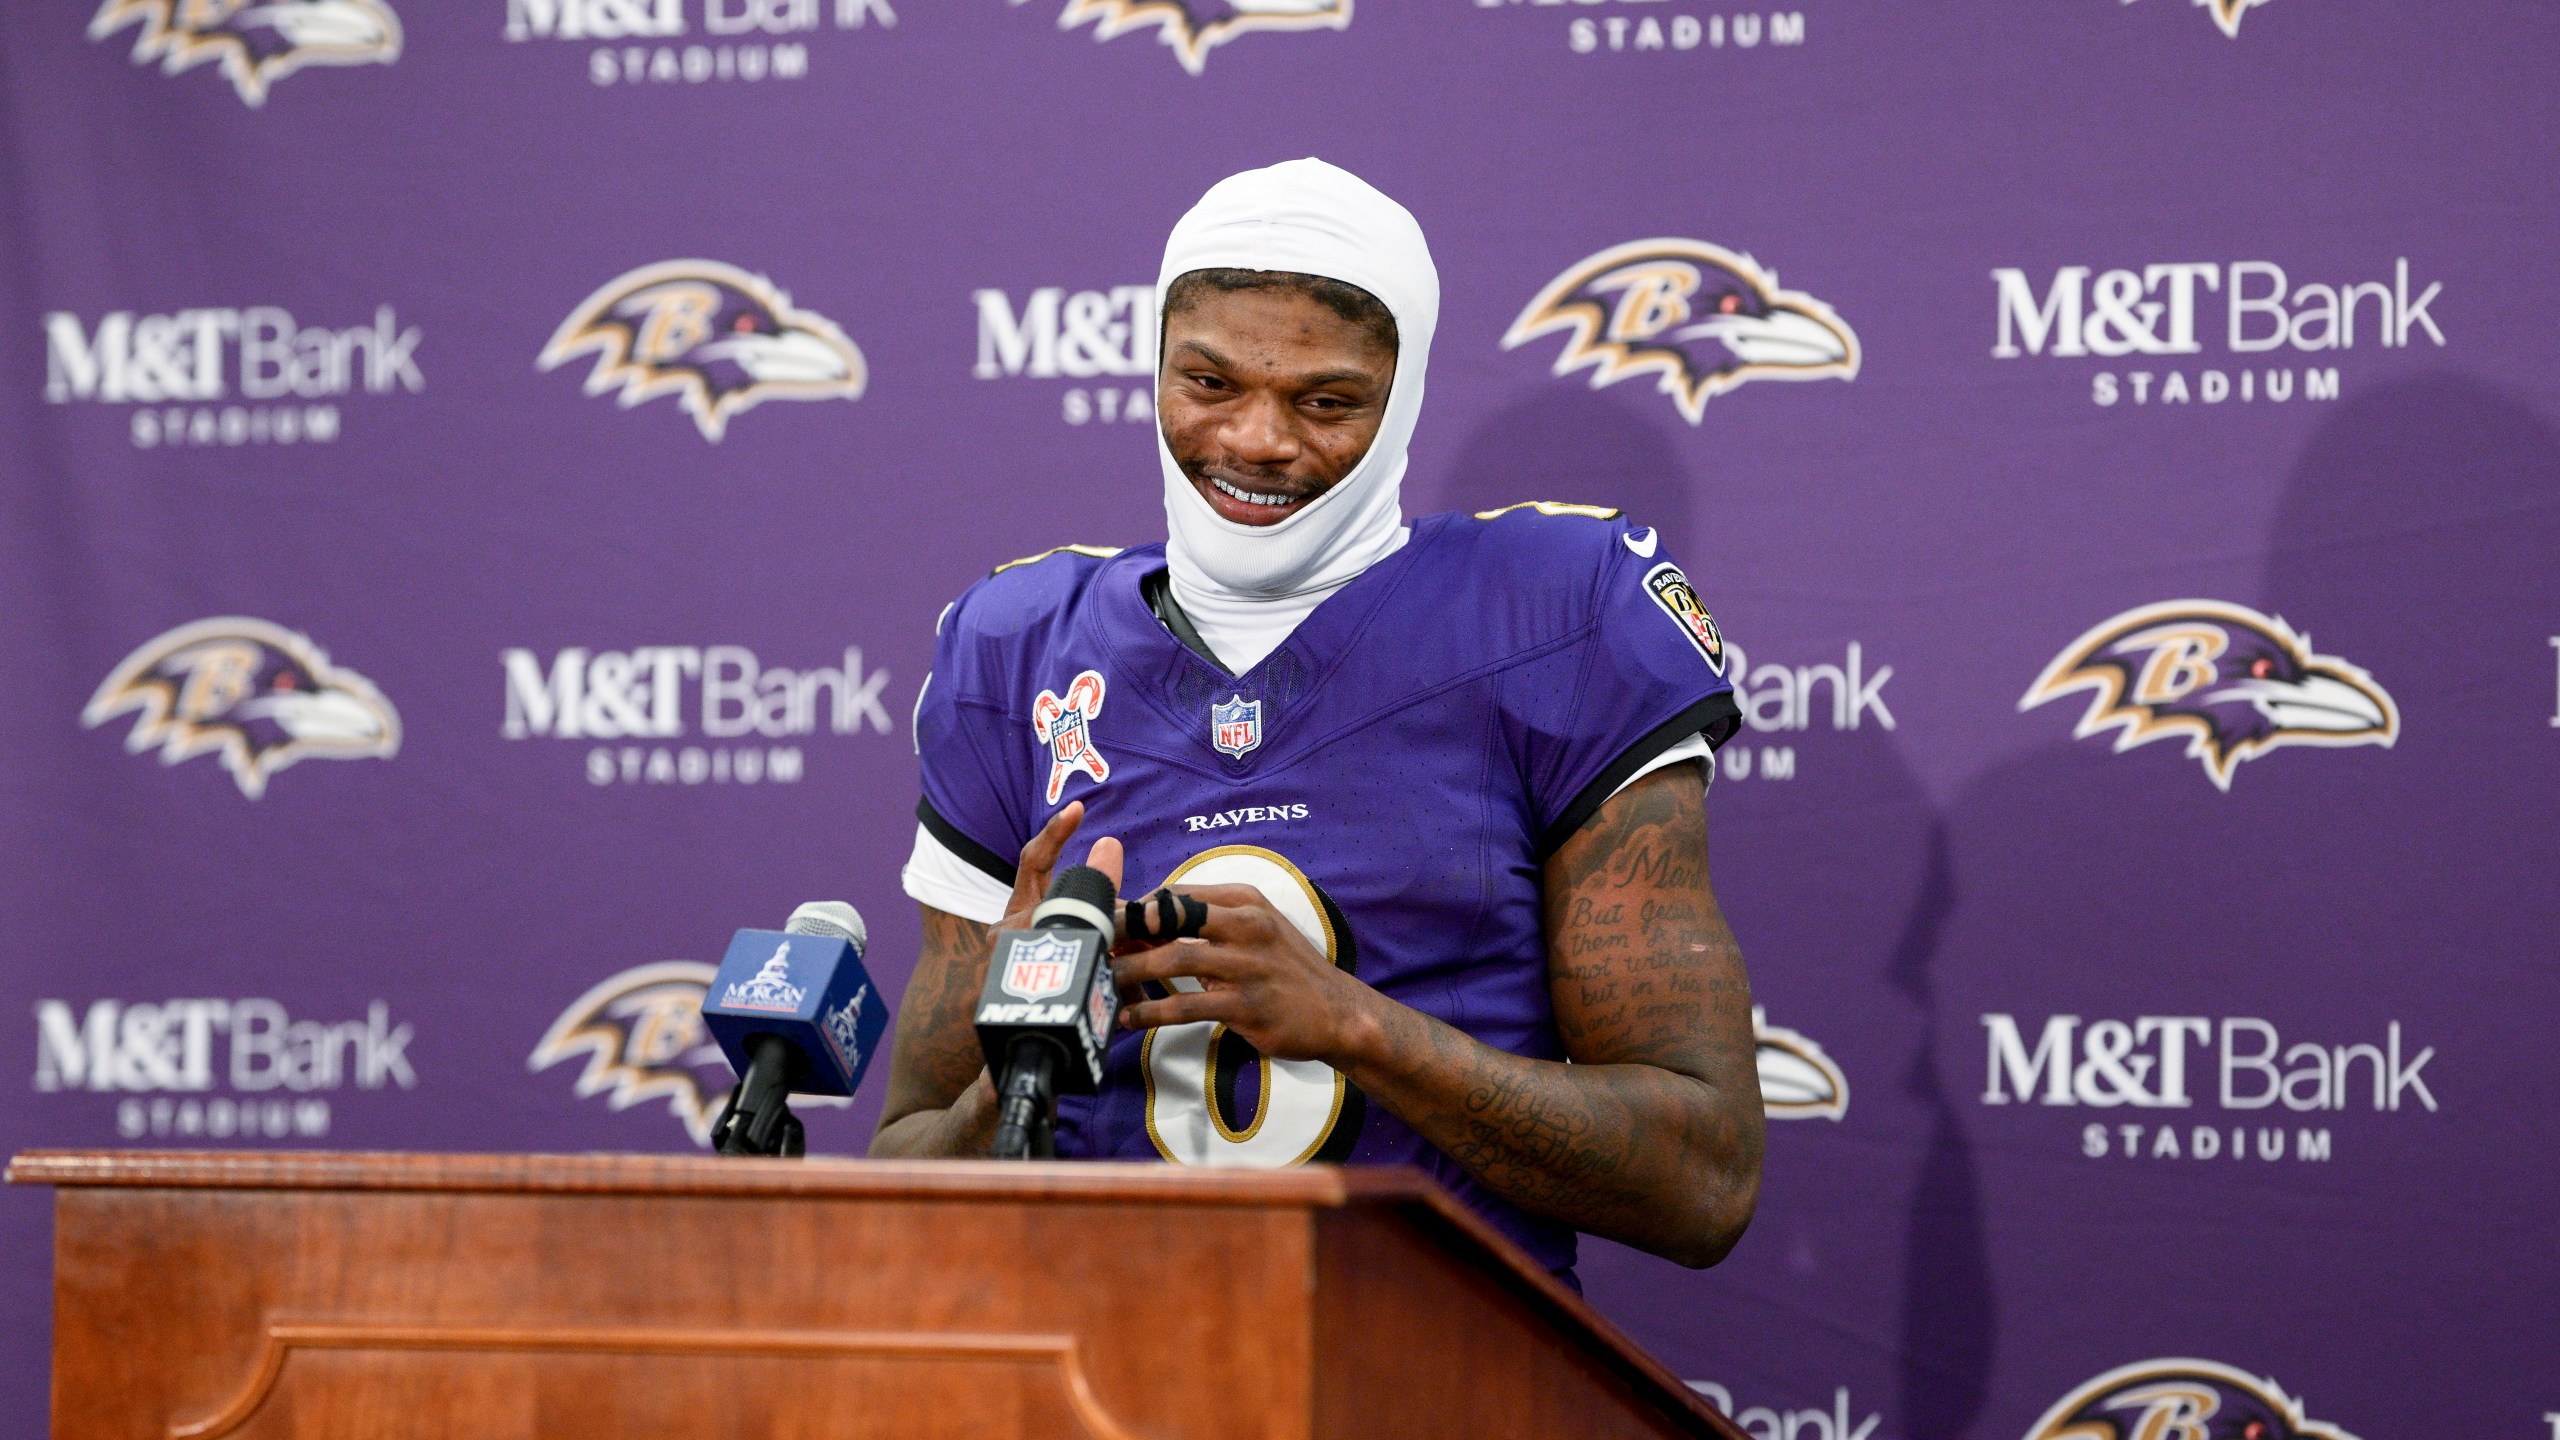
(1248, 496)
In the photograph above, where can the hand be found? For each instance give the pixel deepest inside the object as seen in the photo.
(1259, 976)
(1039, 860)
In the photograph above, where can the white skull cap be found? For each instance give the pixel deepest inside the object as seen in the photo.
(1310, 218)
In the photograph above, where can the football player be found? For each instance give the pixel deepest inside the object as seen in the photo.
(1442, 786)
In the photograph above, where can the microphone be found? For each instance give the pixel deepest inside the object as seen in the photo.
(1044, 1018)
(794, 1012)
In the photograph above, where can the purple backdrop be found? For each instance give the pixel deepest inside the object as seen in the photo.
(2193, 367)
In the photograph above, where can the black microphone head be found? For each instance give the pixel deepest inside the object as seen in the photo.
(1083, 897)
(1083, 882)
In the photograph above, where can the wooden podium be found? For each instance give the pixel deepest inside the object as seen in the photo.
(491, 1297)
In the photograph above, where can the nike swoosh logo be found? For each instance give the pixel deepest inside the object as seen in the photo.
(1645, 546)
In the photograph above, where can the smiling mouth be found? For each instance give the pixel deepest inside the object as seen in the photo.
(1252, 497)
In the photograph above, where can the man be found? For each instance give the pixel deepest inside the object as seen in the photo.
(1439, 785)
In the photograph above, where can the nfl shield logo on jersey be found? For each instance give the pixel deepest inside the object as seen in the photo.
(1040, 967)
(1235, 725)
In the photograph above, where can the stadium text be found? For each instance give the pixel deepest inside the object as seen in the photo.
(2158, 310)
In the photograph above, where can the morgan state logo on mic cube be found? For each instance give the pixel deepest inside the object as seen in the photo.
(253, 45)
(693, 42)
(631, 709)
(2199, 1088)
(2202, 334)
(207, 1069)
(1700, 319)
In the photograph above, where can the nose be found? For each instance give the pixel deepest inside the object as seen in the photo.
(1258, 431)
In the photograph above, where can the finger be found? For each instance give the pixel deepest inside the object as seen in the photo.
(1234, 897)
(1182, 1008)
(1245, 924)
(1195, 958)
(1040, 856)
(1162, 917)
(1105, 857)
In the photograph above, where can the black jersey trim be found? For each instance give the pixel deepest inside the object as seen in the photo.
(1715, 717)
(1157, 587)
(996, 866)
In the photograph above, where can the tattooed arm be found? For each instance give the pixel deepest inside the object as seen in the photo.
(941, 1102)
(1651, 1136)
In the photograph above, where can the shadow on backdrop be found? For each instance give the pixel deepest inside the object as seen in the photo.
(1572, 444)
(1836, 884)
(2331, 891)
(1949, 1317)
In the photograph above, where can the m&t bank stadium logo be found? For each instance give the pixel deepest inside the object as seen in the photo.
(1702, 318)
(2180, 1400)
(257, 695)
(714, 336)
(256, 42)
(2236, 684)
(1193, 28)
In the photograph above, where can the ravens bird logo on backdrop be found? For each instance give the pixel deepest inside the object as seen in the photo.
(2227, 13)
(643, 1037)
(1700, 316)
(256, 694)
(257, 42)
(2180, 1400)
(717, 337)
(1797, 1080)
(2236, 683)
(1195, 27)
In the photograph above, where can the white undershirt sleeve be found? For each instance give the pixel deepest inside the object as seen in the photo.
(1693, 748)
(936, 877)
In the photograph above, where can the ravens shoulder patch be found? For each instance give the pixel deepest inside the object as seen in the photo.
(1670, 589)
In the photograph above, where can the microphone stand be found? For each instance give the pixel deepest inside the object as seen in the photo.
(756, 1119)
(1026, 1112)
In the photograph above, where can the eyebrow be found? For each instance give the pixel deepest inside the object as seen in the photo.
(1309, 382)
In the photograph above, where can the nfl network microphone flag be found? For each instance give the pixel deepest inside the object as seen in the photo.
(812, 991)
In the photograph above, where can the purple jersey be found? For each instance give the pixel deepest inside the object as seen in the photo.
(1392, 776)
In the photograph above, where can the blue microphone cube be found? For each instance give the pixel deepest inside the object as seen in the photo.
(811, 991)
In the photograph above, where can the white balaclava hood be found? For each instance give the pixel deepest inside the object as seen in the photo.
(1315, 219)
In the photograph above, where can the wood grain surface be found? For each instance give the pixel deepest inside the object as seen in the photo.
(311, 1294)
